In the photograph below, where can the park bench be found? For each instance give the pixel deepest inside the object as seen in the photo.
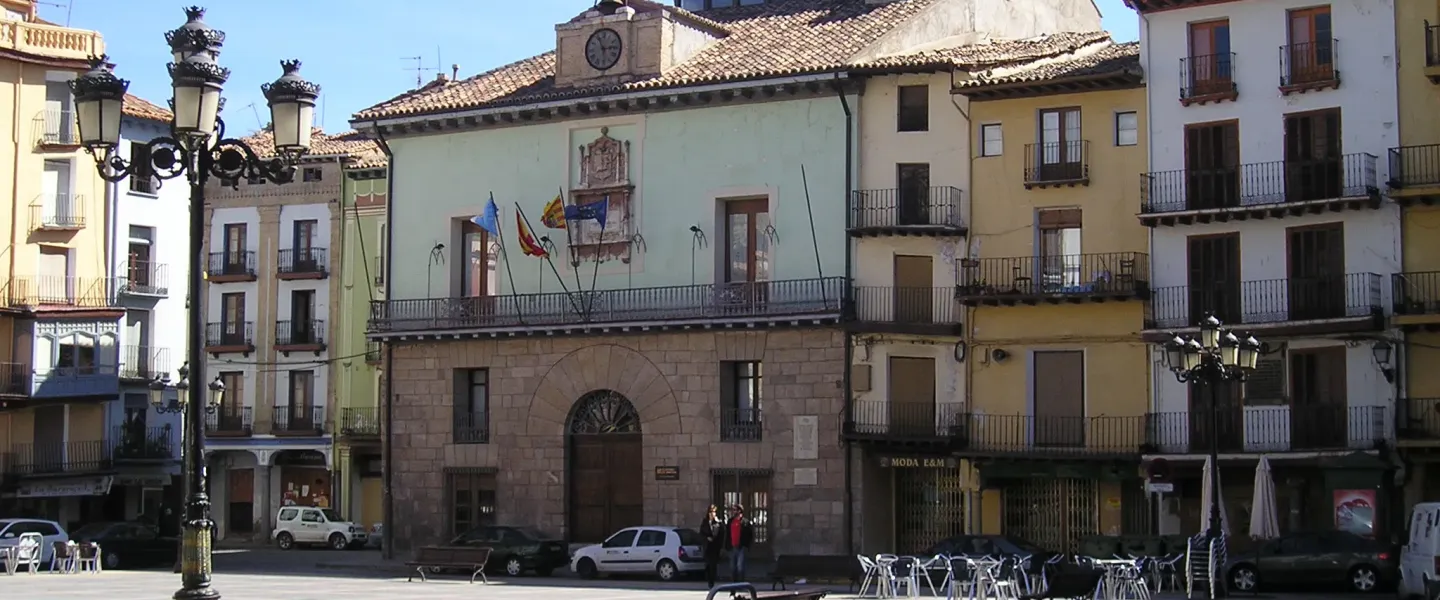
(830, 568)
(438, 558)
(745, 590)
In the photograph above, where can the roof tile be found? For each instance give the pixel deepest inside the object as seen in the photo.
(362, 150)
(141, 108)
(1109, 59)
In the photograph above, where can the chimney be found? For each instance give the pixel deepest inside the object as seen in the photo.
(455, 72)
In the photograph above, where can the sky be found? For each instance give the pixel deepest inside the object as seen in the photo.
(360, 52)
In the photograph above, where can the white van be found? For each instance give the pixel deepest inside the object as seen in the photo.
(1420, 556)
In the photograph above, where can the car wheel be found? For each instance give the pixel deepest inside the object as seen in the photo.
(586, 568)
(112, 560)
(666, 570)
(338, 541)
(285, 540)
(1244, 578)
(513, 567)
(1364, 578)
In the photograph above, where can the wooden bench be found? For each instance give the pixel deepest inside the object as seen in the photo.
(741, 591)
(792, 595)
(450, 557)
(823, 567)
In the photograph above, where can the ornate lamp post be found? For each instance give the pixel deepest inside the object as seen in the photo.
(199, 150)
(1216, 357)
(182, 393)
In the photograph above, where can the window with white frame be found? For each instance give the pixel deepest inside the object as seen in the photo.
(1127, 128)
(992, 140)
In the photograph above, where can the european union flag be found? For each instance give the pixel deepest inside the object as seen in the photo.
(490, 219)
(596, 211)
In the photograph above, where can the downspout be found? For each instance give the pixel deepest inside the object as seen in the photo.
(973, 520)
(387, 459)
(1157, 503)
(15, 207)
(847, 301)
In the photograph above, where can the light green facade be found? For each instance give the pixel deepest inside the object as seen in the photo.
(357, 392)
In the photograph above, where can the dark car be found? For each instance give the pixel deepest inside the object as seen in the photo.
(1321, 558)
(515, 550)
(128, 545)
(998, 546)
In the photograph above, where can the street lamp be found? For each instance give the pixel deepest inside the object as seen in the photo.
(1216, 356)
(182, 393)
(198, 149)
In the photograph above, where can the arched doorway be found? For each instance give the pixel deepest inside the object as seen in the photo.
(606, 470)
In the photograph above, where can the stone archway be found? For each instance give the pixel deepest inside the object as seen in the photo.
(606, 470)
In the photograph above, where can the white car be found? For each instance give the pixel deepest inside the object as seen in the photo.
(315, 526)
(668, 552)
(10, 530)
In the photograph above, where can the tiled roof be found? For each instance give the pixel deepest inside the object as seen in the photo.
(363, 151)
(992, 52)
(140, 108)
(1111, 59)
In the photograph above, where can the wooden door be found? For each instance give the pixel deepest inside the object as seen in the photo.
(752, 492)
(1209, 61)
(1214, 285)
(913, 192)
(236, 262)
(914, 289)
(1212, 165)
(371, 499)
(1311, 52)
(240, 508)
(607, 491)
(747, 254)
(1059, 388)
(911, 383)
(1060, 145)
(1229, 431)
(1314, 167)
(1318, 406)
(1316, 287)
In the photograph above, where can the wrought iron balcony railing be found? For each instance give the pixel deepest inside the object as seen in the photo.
(1432, 44)
(1420, 419)
(1259, 184)
(1207, 75)
(145, 278)
(906, 305)
(230, 420)
(1057, 163)
(1414, 166)
(298, 419)
(901, 208)
(740, 424)
(999, 434)
(1267, 301)
(58, 127)
(471, 428)
(298, 262)
(144, 362)
(1309, 63)
(360, 421)
(1055, 277)
(57, 211)
(58, 290)
(144, 443)
(230, 334)
(15, 378)
(1415, 293)
(239, 264)
(41, 458)
(300, 333)
(372, 353)
(1270, 428)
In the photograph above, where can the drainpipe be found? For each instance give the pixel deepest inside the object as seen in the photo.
(845, 303)
(973, 518)
(387, 502)
(1157, 504)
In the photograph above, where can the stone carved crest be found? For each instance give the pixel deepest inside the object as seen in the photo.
(605, 162)
(604, 175)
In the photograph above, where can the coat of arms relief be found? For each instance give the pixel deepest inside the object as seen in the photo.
(604, 177)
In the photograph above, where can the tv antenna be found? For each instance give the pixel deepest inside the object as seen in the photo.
(259, 125)
(68, 6)
(419, 69)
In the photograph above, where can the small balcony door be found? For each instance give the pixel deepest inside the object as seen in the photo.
(1311, 50)
(59, 119)
(914, 289)
(232, 319)
(57, 206)
(302, 400)
(912, 194)
(139, 269)
(1212, 165)
(747, 253)
(1209, 65)
(1214, 278)
(302, 317)
(235, 243)
(1060, 145)
(912, 396)
(1316, 287)
(1059, 399)
(1228, 414)
(1318, 416)
(303, 245)
(1314, 168)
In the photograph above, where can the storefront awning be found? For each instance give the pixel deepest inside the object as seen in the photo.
(97, 485)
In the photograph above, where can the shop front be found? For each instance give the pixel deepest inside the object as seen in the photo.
(911, 502)
(71, 501)
(1056, 504)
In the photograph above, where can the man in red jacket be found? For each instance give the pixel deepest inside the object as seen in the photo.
(738, 536)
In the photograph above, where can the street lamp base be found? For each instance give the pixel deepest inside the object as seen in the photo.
(205, 593)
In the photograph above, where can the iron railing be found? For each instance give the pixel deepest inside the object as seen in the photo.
(1069, 274)
(1268, 301)
(997, 433)
(906, 305)
(144, 443)
(298, 419)
(693, 303)
(230, 334)
(58, 290)
(1414, 166)
(1207, 75)
(15, 378)
(1057, 162)
(1415, 293)
(59, 127)
(300, 333)
(907, 207)
(741, 424)
(1432, 44)
(471, 428)
(372, 352)
(231, 420)
(303, 261)
(360, 421)
(1266, 428)
(1259, 184)
(144, 362)
(145, 278)
(237, 263)
(61, 457)
(58, 211)
(1309, 62)
(1421, 420)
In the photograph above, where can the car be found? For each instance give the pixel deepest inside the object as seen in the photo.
(306, 525)
(50, 532)
(127, 544)
(516, 550)
(668, 552)
(1321, 558)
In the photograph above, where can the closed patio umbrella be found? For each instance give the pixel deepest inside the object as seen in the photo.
(1264, 516)
(1206, 499)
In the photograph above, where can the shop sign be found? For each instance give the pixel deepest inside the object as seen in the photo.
(667, 473)
(919, 462)
(152, 481)
(60, 488)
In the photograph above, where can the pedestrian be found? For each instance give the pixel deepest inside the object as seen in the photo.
(713, 530)
(738, 537)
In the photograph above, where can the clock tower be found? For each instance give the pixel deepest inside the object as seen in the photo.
(618, 41)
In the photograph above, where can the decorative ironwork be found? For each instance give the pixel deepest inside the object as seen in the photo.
(604, 412)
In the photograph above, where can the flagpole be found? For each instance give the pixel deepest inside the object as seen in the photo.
(551, 262)
(505, 256)
(599, 246)
(570, 248)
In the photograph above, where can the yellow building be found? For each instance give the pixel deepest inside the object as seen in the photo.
(59, 360)
(1055, 288)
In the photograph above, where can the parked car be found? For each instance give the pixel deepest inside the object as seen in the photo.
(987, 545)
(50, 531)
(1321, 558)
(129, 545)
(307, 525)
(516, 550)
(1420, 556)
(668, 552)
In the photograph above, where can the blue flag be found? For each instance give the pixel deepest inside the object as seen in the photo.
(490, 219)
(596, 211)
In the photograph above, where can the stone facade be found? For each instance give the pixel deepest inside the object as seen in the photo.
(672, 379)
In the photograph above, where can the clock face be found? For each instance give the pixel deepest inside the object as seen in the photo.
(602, 50)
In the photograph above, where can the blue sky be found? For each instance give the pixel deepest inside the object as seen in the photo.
(354, 49)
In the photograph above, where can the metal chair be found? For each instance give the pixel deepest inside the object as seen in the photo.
(872, 574)
(62, 557)
(27, 552)
(88, 556)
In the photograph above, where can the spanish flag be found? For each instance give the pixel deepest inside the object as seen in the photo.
(554, 214)
(527, 242)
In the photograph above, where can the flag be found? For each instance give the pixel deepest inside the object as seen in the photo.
(554, 214)
(490, 219)
(596, 211)
(528, 243)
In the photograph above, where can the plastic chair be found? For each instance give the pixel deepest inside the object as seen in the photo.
(872, 573)
(27, 552)
(89, 556)
(62, 558)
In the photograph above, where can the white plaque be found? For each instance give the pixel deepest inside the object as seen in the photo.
(807, 437)
(807, 476)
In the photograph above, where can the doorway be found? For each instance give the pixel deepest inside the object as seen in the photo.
(912, 397)
(607, 491)
(914, 289)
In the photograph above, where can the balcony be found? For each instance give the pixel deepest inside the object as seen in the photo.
(1057, 164)
(916, 310)
(58, 458)
(1309, 67)
(741, 425)
(144, 443)
(934, 211)
(1415, 174)
(1416, 299)
(303, 263)
(1251, 429)
(1072, 278)
(1208, 78)
(76, 381)
(372, 353)
(1275, 189)
(57, 212)
(230, 337)
(949, 425)
(145, 278)
(57, 129)
(231, 266)
(300, 336)
(144, 363)
(50, 41)
(723, 305)
(15, 379)
(57, 291)
(230, 421)
(298, 420)
(471, 429)
(360, 422)
(1283, 307)
(1432, 52)
(1420, 422)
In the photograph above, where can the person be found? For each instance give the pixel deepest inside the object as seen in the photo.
(738, 537)
(713, 530)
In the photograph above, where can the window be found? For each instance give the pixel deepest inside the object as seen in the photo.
(1127, 129)
(912, 183)
(302, 318)
(752, 492)
(623, 539)
(747, 235)
(1060, 254)
(651, 537)
(310, 174)
(741, 391)
(1058, 398)
(380, 259)
(471, 500)
(304, 237)
(1314, 166)
(1214, 277)
(142, 180)
(914, 108)
(139, 270)
(472, 406)
(1061, 149)
(992, 142)
(236, 260)
(302, 394)
(1311, 54)
(232, 319)
(288, 514)
(475, 264)
(59, 113)
(1208, 68)
(1212, 166)
(232, 406)
(75, 355)
(1316, 288)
